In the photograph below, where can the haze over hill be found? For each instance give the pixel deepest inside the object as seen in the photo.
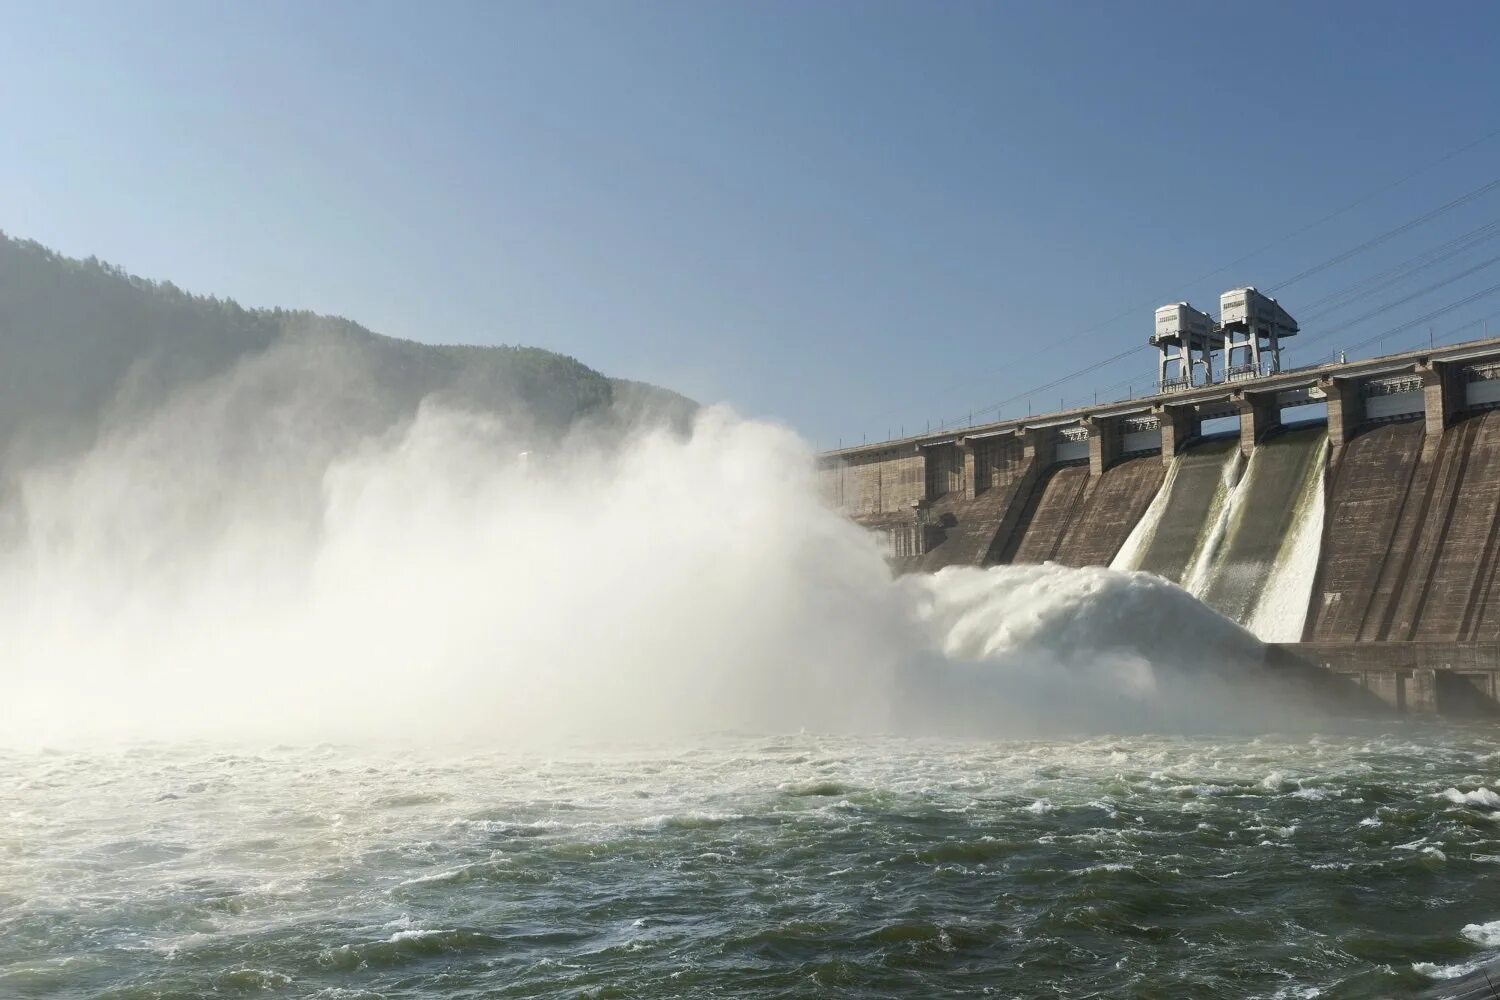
(83, 341)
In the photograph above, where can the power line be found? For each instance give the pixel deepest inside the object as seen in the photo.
(1338, 258)
(1482, 293)
(1385, 307)
(1446, 335)
(1411, 266)
(1441, 338)
(1363, 199)
(1388, 235)
(1372, 195)
(997, 407)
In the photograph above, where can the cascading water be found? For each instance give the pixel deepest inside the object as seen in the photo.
(1178, 535)
(1138, 542)
(1280, 614)
(1261, 572)
(1242, 536)
(1227, 492)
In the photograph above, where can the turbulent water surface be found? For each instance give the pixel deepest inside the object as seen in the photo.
(1359, 863)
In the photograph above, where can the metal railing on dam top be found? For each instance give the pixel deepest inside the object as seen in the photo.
(1298, 385)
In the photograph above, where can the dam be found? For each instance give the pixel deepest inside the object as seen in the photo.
(1347, 513)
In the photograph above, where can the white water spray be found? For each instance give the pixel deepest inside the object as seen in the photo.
(244, 562)
(1232, 487)
(1281, 613)
(1138, 542)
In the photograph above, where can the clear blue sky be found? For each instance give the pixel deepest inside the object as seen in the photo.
(853, 217)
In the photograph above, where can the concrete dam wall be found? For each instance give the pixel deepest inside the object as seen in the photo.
(1377, 520)
(1224, 526)
(1078, 519)
(1413, 529)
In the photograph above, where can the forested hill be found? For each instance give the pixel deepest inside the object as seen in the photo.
(76, 335)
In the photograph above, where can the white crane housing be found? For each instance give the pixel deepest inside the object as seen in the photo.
(1182, 332)
(1252, 325)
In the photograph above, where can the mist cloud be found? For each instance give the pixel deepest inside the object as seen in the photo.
(267, 555)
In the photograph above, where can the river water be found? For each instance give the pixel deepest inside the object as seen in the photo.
(1356, 863)
(269, 607)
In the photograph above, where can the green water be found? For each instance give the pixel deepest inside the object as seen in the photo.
(1354, 864)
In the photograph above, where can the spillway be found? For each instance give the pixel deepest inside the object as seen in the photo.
(1282, 485)
(1111, 510)
(1241, 536)
(1280, 615)
(1414, 528)
(1371, 487)
(1078, 521)
(1048, 514)
(972, 527)
(1177, 527)
(1448, 585)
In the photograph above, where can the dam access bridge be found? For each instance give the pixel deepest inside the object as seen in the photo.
(1364, 539)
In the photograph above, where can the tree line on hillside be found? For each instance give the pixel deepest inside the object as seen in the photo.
(80, 339)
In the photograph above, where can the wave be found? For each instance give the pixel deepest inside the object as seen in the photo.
(1479, 797)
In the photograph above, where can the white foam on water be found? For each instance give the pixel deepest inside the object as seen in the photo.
(1487, 934)
(1479, 797)
(1434, 971)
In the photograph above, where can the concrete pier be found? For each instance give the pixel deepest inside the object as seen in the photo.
(1442, 394)
(1260, 414)
(1345, 408)
(1179, 425)
(1104, 442)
